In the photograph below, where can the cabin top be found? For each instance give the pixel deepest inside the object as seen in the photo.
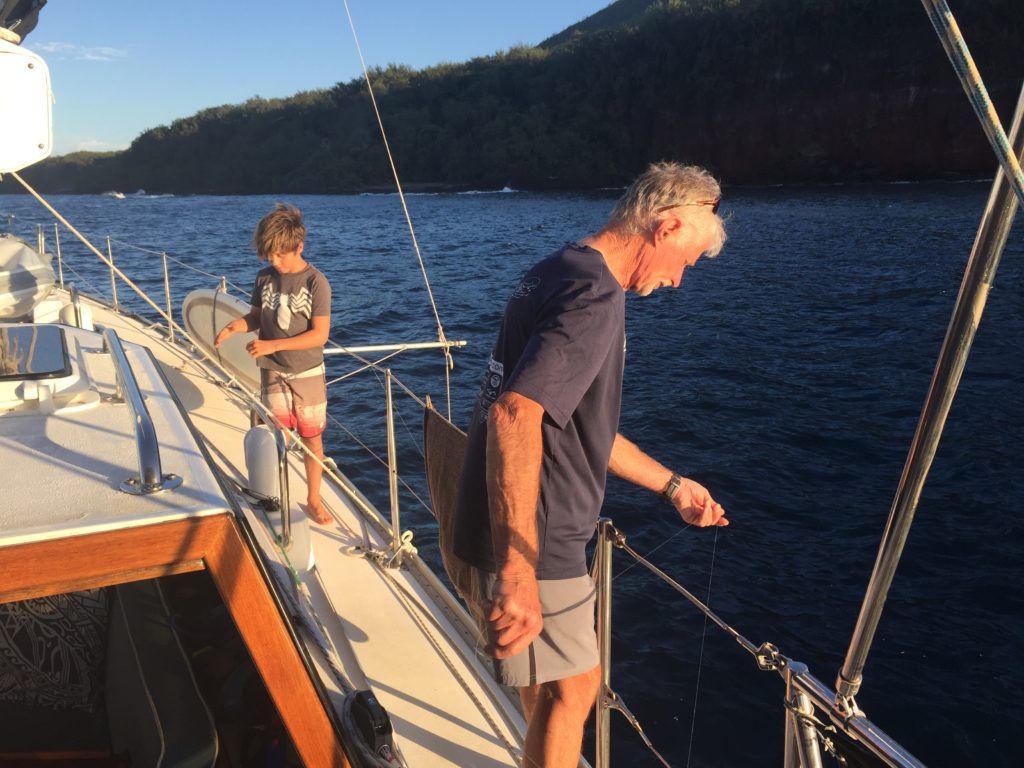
(76, 446)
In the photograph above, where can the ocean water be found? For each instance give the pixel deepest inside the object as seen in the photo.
(787, 375)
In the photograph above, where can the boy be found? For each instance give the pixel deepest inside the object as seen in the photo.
(291, 310)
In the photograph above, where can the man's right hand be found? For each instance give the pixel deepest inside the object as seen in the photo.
(513, 615)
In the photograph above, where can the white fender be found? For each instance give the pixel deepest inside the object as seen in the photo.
(261, 461)
(264, 480)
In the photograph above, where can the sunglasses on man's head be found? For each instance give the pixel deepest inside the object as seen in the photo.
(714, 203)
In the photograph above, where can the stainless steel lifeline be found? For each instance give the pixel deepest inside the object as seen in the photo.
(804, 692)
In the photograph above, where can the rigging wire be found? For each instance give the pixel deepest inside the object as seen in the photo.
(380, 460)
(83, 280)
(722, 624)
(635, 563)
(705, 609)
(405, 208)
(178, 261)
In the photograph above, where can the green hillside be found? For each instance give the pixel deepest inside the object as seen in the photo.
(760, 91)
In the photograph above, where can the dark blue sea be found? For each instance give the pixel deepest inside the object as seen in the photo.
(787, 375)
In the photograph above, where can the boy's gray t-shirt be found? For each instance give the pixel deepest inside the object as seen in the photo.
(561, 344)
(288, 303)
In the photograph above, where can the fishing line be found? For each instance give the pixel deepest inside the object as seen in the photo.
(700, 656)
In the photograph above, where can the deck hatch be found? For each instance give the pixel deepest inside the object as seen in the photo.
(33, 352)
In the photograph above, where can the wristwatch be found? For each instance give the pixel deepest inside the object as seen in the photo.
(672, 487)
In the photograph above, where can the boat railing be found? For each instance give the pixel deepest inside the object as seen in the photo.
(399, 542)
(151, 478)
(807, 736)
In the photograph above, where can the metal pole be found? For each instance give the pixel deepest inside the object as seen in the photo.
(393, 347)
(167, 293)
(791, 753)
(113, 281)
(801, 737)
(396, 529)
(40, 240)
(60, 264)
(856, 726)
(978, 277)
(282, 476)
(602, 751)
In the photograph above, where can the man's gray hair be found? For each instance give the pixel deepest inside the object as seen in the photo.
(664, 185)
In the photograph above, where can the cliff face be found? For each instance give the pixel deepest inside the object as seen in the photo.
(830, 91)
(906, 132)
(760, 91)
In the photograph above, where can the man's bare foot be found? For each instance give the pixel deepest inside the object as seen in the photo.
(317, 513)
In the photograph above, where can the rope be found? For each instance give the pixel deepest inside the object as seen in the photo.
(367, 366)
(960, 57)
(637, 562)
(370, 365)
(700, 656)
(136, 247)
(405, 208)
(299, 597)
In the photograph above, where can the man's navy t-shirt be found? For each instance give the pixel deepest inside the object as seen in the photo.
(561, 344)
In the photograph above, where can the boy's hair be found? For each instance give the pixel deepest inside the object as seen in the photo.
(280, 231)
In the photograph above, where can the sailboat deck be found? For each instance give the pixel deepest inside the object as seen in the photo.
(83, 444)
(389, 627)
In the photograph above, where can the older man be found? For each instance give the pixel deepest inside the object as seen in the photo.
(544, 435)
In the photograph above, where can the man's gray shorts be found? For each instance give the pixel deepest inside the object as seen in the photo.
(566, 645)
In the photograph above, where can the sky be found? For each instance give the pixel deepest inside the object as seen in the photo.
(120, 67)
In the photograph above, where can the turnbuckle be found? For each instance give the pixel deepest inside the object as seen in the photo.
(769, 658)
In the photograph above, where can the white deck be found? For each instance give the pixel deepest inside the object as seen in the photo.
(385, 625)
(62, 469)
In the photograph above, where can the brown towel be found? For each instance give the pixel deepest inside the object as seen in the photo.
(444, 447)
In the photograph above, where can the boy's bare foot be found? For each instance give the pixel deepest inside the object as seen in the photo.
(318, 514)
